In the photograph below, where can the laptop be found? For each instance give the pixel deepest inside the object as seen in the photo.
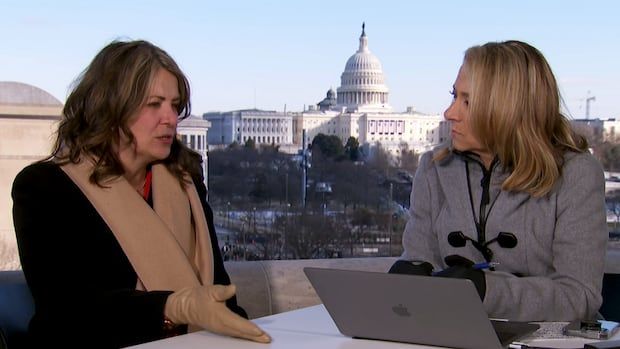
(413, 309)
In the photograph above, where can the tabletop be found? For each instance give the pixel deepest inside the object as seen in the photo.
(312, 327)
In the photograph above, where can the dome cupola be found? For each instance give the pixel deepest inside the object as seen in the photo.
(362, 84)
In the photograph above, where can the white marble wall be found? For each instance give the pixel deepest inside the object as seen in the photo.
(22, 141)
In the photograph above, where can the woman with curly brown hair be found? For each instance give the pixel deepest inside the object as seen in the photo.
(115, 236)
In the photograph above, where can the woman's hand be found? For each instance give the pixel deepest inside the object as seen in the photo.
(205, 306)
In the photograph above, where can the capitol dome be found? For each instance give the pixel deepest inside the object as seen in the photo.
(362, 82)
(19, 99)
(17, 93)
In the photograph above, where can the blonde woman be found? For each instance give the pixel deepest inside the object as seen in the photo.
(516, 189)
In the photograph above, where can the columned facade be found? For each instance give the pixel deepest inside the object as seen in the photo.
(193, 132)
(362, 111)
(263, 127)
(360, 108)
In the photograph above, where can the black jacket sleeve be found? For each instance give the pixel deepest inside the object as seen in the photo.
(82, 283)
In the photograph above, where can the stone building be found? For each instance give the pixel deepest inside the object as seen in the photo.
(362, 110)
(28, 120)
(358, 108)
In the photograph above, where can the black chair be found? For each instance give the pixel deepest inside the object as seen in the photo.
(3, 344)
(611, 297)
(16, 309)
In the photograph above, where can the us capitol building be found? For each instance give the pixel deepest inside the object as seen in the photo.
(358, 108)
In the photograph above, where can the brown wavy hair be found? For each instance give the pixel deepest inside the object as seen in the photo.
(515, 112)
(103, 98)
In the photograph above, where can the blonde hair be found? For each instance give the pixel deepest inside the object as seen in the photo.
(515, 112)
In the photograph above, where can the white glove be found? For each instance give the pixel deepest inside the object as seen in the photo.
(205, 307)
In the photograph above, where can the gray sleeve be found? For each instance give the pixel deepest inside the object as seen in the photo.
(573, 288)
(419, 241)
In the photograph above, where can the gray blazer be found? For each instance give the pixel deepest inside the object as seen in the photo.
(555, 272)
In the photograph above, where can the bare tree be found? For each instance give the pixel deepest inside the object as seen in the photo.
(380, 160)
(408, 159)
(308, 233)
(609, 156)
(362, 218)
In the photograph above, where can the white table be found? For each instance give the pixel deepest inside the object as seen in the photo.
(310, 327)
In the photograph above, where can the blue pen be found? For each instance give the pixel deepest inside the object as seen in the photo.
(477, 266)
(485, 265)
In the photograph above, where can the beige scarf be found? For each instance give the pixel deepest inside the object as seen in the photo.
(169, 246)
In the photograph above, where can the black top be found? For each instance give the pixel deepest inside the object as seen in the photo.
(81, 280)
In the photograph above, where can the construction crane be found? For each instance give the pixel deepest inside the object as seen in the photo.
(588, 100)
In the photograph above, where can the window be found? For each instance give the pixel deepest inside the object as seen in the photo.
(224, 123)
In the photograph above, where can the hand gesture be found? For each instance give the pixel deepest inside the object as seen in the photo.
(205, 306)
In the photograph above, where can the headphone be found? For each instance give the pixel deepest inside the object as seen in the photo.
(504, 239)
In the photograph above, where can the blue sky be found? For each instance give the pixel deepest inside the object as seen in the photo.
(268, 53)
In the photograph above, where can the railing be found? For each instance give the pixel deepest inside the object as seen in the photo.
(271, 287)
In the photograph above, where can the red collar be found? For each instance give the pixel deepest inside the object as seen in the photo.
(146, 190)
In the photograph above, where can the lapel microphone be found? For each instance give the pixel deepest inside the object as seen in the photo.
(504, 239)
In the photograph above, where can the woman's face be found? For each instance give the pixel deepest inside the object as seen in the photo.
(457, 113)
(154, 124)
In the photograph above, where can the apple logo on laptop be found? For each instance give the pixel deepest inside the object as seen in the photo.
(401, 310)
